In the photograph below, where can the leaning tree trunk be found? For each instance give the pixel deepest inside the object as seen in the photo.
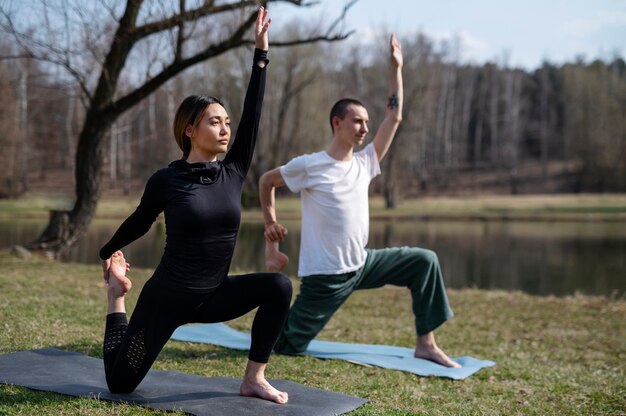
(65, 227)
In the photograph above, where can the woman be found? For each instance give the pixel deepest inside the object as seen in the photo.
(201, 201)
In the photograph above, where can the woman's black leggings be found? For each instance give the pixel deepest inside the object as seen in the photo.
(131, 348)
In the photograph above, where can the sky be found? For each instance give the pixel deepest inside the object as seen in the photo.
(523, 32)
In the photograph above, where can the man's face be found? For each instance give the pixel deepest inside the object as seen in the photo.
(353, 128)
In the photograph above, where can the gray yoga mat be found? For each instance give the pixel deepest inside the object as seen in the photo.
(76, 374)
(385, 356)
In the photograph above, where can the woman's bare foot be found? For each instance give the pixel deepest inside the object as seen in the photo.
(427, 349)
(264, 390)
(275, 260)
(254, 384)
(118, 283)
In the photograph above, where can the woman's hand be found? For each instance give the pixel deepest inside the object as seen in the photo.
(261, 29)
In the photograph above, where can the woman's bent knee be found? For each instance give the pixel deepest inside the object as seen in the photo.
(284, 285)
(281, 286)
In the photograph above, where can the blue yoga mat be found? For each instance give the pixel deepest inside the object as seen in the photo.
(385, 356)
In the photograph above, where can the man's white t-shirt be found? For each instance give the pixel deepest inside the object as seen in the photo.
(335, 209)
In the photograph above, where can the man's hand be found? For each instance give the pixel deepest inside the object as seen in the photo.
(275, 232)
(261, 29)
(395, 51)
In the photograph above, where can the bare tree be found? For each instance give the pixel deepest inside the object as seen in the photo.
(477, 153)
(9, 129)
(511, 138)
(494, 115)
(467, 87)
(544, 118)
(183, 36)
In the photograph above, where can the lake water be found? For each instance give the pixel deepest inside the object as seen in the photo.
(542, 258)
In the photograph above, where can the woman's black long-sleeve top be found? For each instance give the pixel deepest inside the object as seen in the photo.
(201, 203)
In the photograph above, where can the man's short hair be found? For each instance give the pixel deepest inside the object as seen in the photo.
(340, 109)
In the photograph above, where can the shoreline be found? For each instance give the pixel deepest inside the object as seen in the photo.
(537, 208)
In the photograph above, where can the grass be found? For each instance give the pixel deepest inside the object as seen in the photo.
(560, 356)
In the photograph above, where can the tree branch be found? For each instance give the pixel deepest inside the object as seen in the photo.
(341, 17)
(178, 65)
(24, 41)
(79, 79)
(299, 3)
(21, 56)
(320, 38)
(180, 39)
(207, 9)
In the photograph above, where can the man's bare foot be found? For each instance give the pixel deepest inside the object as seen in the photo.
(118, 283)
(262, 389)
(427, 349)
(275, 261)
(435, 354)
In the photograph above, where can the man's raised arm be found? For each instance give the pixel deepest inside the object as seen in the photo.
(393, 117)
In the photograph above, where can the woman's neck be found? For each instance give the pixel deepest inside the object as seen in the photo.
(199, 157)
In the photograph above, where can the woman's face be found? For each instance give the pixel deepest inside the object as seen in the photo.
(212, 134)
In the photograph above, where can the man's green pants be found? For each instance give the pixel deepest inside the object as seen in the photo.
(321, 295)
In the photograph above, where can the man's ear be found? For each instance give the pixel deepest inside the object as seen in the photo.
(336, 121)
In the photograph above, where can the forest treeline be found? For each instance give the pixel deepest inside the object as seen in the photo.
(460, 121)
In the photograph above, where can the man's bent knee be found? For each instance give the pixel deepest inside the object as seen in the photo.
(283, 346)
(429, 256)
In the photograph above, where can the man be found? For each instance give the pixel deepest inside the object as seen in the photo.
(335, 225)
